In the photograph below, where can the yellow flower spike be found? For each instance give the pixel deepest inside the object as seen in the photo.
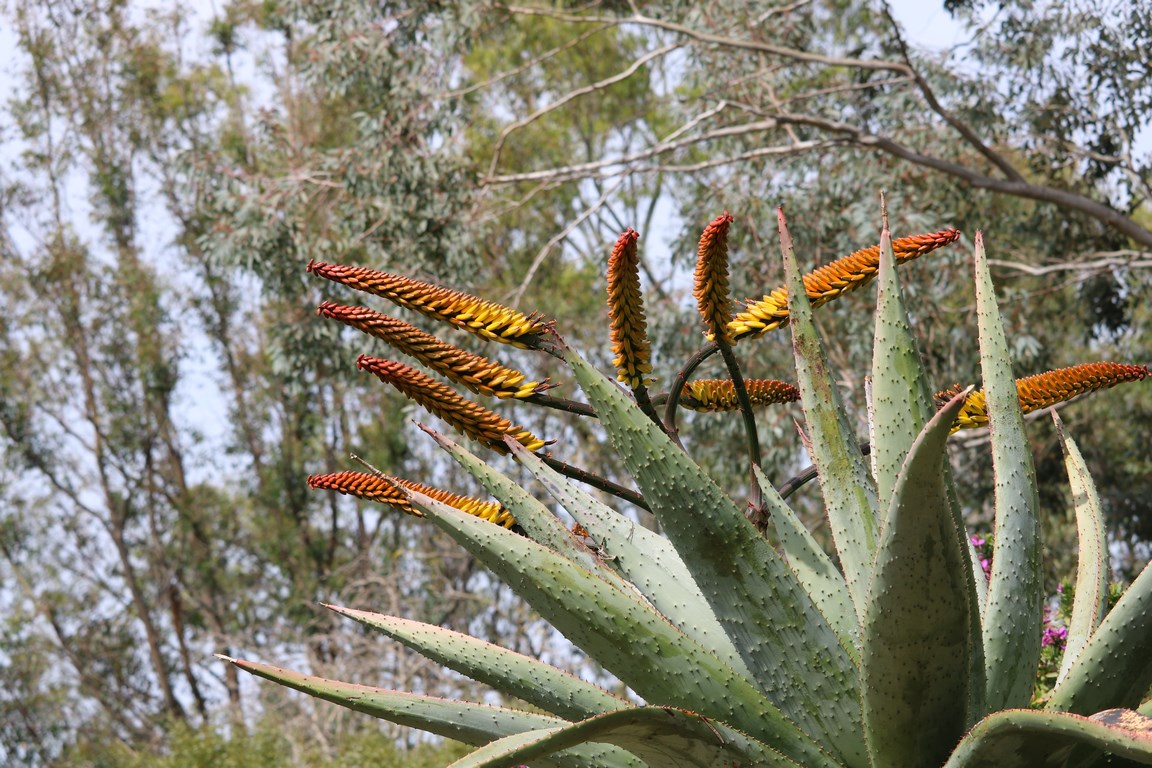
(471, 419)
(629, 334)
(1046, 389)
(832, 281)
(711, 279)
(720, 394)
(385, 491)
(486, 319)
(477, 373)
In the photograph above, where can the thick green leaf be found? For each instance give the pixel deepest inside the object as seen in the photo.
(901, 401)
(812, 566)
(917, 639)
(644, 557)
(784, 639)
(537, 683)
(1013, 615)
(660, 736)
(623, 632)
(849, 492)
(1091, 599)
(1026, 738)
(1115, 667)
(536, 519)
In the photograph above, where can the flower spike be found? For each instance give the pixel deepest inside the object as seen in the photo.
(720, 394)
(471, 419)
(486, 319)
(384, 489)
(832, 281)
(477, 373)
(1046, 389)
(711, 285)
(629, 334)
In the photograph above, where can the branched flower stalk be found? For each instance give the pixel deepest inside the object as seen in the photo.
(1044, 390)
(477, 373)
(385, 489)
(472, 419)
(486, 319)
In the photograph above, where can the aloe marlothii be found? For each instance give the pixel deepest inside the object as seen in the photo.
(895, 652)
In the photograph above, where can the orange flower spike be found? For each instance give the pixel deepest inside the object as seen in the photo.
(471, 419)
(385, 491)
(477, 373)
(486, 319)
(633, 354)
(720, 394)
(1047, 389)
(832, 281)
(711, 284)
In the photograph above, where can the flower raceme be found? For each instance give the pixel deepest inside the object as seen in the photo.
(628, 325)
(385, 489)
(1045, 389)
(472, 419)
(477, 373)
(720, 394)
(711, 279)
(832, 281)
(486, 319)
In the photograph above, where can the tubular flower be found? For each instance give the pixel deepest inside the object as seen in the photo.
(720, 394)
(385, 490)
(832, 281)
(477, 373)
(484, 318)
(1045, 389)
(711, 286)
(471, 419)
(629, 334)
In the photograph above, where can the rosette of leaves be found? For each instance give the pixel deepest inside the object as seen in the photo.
(896, 652)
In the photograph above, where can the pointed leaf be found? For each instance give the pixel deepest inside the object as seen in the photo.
(849, 493)
(917, 644)
(1013, 616)
(783, 638)
(1024, 739)
(659, 736)
(643, 557)
(537, 683)
(812, 566)
(1090, 602)
(621, 631)
(1115, 667)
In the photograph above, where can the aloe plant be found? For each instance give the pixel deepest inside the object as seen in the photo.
(750, 644)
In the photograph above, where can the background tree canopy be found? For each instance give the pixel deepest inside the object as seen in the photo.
(165, 387)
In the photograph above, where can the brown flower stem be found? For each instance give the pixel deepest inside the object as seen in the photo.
(678, 384)
(562, 404)
(596, 481)
(757, 497)
(645, 402)
(805, 475)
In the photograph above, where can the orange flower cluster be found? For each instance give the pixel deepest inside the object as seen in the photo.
(720, 394)
(471, 419)
(1045, 389)
(629, 327)
(486, 319)
(711, 283)
(832, 281)
(384, 490)
(477, 373)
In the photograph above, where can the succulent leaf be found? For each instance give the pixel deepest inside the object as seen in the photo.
(849, 492)
(623, 632)
(553, 690)
(784, 639)
(917, 639)
(1013, 615)
(660, 736)
(1091, 599)
(1023, 739)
